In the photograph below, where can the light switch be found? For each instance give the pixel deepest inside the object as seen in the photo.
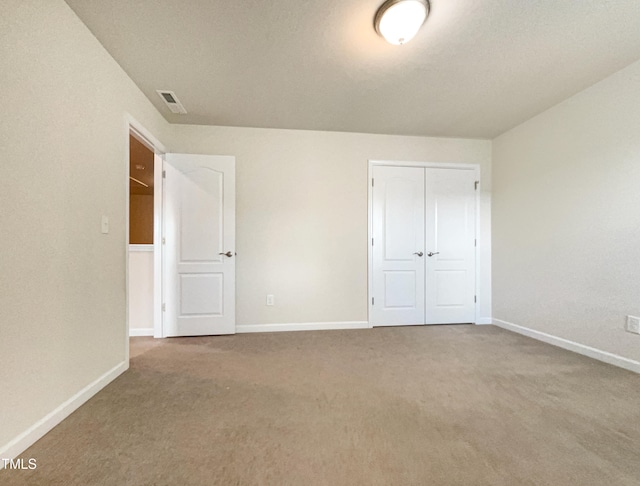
(105, 225)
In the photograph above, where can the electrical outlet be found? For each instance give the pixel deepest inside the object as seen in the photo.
(105, 225)
(271, 299)
(633, 324)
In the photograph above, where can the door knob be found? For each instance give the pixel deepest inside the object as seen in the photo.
(430, 254)
(228, 254)
(419, 253)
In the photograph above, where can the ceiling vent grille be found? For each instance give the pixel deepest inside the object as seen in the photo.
(171, 100)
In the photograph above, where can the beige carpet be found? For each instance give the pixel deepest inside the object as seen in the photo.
(439, 405)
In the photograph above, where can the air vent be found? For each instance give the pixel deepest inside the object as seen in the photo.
(171, 100)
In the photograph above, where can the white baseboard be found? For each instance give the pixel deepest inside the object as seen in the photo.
(613, 359)
(484, 320)
(29, 437)
(140, 331)
(304, 326)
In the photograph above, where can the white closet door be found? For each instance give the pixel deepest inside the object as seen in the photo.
(398, 239)
(199, 249)
(450, 238)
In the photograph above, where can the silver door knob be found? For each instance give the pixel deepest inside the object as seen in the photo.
(430, 254)
(228, 254)
(419, 253)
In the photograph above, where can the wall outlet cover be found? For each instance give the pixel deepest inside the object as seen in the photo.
(105, 225)
(633, 324)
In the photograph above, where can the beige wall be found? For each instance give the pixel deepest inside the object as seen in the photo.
(63, 148)
(302, 211)
(302, 214)
(566, 218)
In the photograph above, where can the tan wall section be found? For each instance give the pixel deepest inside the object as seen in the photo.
(566, 218)
(140, 220)
(64, 164)
(302, 214)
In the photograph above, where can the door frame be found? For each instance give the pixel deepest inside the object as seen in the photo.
(135, 128)
(425, 165)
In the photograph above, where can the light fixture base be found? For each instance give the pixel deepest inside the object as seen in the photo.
(398, 21)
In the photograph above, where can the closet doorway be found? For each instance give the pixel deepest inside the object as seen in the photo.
(422, 258)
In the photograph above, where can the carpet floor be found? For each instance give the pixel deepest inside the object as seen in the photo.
(436, 405)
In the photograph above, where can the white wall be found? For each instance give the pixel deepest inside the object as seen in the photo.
(566, 218)
(141, 290)
(302, 214)
(63, 147)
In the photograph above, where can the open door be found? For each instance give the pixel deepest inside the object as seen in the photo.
(199, 245)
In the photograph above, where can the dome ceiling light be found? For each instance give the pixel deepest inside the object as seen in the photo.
(398, 21)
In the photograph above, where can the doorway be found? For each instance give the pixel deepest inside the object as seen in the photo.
(422, 253)
(143, 231)
(140, 248)
(180, 247)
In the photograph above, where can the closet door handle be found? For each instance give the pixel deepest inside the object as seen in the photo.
(430, 254)
(228, 254)
(419, 253)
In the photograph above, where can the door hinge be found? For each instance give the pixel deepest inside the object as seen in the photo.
(164, 307)
(371, 182)
(164, 174)
(372, 300)
(371, 241)
(475, 185)
(163, 240)
(475, 298)
(475, 242)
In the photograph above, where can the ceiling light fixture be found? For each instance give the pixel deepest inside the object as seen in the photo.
(398, 21)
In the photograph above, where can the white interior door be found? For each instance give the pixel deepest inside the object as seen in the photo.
(451, 277)
(423, 246)
(398, 240)
(199, 245)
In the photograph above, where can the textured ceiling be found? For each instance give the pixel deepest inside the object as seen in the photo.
(476, 69)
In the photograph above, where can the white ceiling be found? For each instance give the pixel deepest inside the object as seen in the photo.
(476, 69)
